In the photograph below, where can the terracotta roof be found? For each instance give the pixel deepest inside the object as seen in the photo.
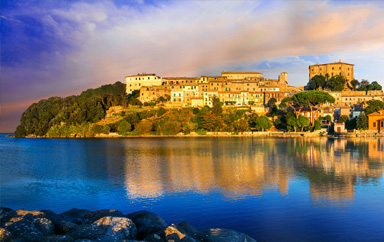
(378, 113)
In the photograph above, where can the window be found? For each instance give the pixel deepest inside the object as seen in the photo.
(374, 125)
(333, 68)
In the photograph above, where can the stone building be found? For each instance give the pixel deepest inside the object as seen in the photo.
(376, 120)
(332, 69)
(135, 82)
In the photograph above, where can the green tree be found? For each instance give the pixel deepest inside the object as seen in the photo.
(351, 124)
(364, 84)
(375, 86)
(337, 83)
(272, 102)
(302, 122)
(317, 125)
(217, 107)
(355, 83)
(263, 123)
(362, 122)
(374, 106)
(124, 127)
(252, 120)
(292, 121)
(317, 82)
(144, 127)
(343, 119)
(309, 99)
(241, 125)
(328, 118)
(210, 122)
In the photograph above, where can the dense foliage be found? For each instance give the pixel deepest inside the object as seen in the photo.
(374, 106)
(88, 107)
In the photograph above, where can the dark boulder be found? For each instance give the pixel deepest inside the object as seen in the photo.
(4, 210)
(5, 215)
(174, 233)
(23, 229)
(117, 229)
(54, 217)
(91, 217)
(156, 237)
(219, 235)
(44, 225)
(189, 230)
(64, 227)
(58, 238)
(147, 223)
(5, 235)
(87, 231)
(75, 215)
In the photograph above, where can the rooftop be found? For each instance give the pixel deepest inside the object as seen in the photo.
(240, 72)
(339, 62)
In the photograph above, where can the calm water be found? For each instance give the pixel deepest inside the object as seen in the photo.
(270, 188)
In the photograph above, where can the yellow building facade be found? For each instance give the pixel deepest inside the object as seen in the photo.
(241, 75)
(332, 69)
(135, 82)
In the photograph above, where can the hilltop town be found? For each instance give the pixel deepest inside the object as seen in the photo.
(333, 101)
(260, 94)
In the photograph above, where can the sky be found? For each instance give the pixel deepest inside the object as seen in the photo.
(60, 48)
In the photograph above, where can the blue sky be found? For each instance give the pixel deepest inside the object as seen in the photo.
(60, 48)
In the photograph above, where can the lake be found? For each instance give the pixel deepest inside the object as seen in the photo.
(273, 189)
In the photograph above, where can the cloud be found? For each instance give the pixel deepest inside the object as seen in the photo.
(65, 47)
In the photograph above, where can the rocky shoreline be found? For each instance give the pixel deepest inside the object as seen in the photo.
(82, 225)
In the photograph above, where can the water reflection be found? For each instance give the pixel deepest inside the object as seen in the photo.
(239, 167)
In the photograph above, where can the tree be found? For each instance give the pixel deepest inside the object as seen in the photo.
(302, 122)
(337, 83)
(362, 122)
(210, 122)
(363, 85)
(351, 124)
(241, 125)
(124, 127)
(375, 86)
(263, 123)
(309, 99)
(343, 119)
(217, 109)
(355, 83)
(144, 127)
(374, 106)
(317, 82)
(317, 125)
(328, 118)
(272, 102)
(292, 121)
(252, 120)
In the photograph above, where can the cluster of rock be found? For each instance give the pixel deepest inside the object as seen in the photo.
(103, 225)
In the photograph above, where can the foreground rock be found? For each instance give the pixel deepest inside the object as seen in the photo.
(103, 225)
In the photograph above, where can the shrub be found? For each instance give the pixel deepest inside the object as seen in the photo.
(124, 127)
(144, 127)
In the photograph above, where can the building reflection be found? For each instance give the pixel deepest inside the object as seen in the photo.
(239, 167)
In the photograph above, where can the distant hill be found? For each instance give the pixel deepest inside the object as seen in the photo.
(88, 107)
